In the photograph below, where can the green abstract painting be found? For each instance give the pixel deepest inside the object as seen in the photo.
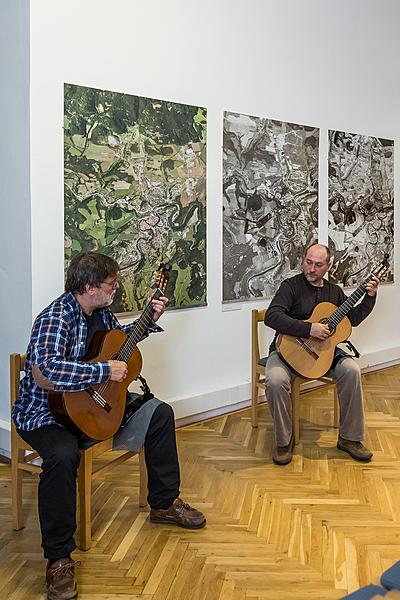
(135, 189)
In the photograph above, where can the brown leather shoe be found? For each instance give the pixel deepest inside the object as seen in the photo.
(179, 513)
(355, 449)
(282, 455)
(60, 579)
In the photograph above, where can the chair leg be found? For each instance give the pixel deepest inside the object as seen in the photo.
(17, 456)
(336, 408)
(142, 480)
(254, 400)
(85, 499)
(295, 392)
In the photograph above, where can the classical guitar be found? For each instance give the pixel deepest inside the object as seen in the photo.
(312, 357)
(98, 410)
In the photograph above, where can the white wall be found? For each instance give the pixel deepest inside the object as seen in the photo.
(317, 62)
(15, 242)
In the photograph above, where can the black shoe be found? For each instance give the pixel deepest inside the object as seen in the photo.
(60, 580)
(282, 455)
(355, 449)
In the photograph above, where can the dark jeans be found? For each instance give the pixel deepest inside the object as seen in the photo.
(59, 450)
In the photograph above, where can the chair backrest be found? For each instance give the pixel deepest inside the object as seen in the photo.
(17, 363)
(257, 316)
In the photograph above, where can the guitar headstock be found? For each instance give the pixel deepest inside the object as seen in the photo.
(162, 276)
(380, 270)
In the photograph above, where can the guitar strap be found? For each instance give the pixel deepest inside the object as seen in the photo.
(135, 401)
(352, 348)
(147, 393)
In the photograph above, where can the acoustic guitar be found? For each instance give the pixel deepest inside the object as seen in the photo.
(311, 357)
(98, 410)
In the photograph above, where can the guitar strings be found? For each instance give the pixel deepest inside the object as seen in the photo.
(334, 319)
(344, 308)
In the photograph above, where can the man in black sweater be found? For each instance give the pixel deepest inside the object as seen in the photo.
(294, 302)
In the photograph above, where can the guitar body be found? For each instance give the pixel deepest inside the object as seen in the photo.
(311, 357)
(79, 410)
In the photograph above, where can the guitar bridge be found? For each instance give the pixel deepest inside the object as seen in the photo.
(307, 348)
(99, 399)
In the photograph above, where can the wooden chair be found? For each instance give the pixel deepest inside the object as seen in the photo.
(22, 457)
(258, 380)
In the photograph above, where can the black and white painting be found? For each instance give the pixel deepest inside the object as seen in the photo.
(361, 205)
(270, 202)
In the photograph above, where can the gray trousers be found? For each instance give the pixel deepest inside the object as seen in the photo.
(347, 377)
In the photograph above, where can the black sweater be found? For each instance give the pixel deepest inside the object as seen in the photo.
(296, 299)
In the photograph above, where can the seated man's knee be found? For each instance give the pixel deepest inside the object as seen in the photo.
(65, 458)
(276, 379)
(351, 369)
(164, 412)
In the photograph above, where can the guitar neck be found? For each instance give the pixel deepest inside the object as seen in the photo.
(347, 305)
(139, 329)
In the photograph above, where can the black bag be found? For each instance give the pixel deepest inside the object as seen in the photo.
(340, 354)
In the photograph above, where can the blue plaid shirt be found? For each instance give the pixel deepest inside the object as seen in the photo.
(56, 347)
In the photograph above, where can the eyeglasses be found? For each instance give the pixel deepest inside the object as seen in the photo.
(113, 284)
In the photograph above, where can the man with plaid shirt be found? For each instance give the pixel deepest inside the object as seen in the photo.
(60, 337)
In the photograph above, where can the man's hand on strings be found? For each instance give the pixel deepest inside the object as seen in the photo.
(118, 370)
(320, 331)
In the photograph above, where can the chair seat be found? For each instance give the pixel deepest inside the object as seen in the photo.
(85, 443)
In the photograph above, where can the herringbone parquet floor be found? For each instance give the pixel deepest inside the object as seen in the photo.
(317, 528)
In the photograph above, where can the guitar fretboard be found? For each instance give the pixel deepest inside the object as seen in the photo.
(348, 304)
(344, 308)
(139, 329)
